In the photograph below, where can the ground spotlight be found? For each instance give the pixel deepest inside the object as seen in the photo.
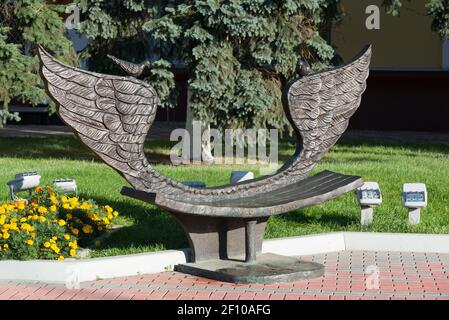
(65, 185)
(414, 197)
(369, 196)
(22, 182)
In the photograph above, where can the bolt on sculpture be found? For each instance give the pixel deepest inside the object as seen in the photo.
(225, 225)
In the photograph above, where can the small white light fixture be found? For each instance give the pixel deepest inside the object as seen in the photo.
(65, 185)
(369, 196)
(22, 182)
(414, 197)
(240, 176)
(194, 184)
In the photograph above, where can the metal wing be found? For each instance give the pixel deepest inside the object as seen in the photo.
(110, 114)
(130, 68)
(321, 106)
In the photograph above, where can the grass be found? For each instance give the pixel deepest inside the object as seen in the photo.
(148, 228)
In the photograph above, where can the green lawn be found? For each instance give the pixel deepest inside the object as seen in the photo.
(149, 228)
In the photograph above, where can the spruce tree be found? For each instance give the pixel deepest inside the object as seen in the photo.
(240, 53)
(23, 25)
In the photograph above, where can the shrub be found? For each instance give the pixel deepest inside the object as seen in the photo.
(50, 225)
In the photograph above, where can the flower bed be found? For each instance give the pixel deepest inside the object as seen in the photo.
(50, 225)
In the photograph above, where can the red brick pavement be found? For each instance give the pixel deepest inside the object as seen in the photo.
(349, 275)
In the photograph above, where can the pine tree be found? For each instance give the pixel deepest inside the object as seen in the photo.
(23, 25)
(240, 53)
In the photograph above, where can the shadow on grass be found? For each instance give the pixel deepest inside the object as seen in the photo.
(68, 147)
(152, 227)
(330, 219)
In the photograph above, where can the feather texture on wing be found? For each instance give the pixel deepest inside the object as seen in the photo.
(110, 114)
(320, 106)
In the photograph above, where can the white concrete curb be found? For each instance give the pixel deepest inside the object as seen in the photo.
(75, 271)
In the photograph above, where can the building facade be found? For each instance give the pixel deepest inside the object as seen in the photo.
(409, 80)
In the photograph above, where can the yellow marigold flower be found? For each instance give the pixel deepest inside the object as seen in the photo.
(26, 226)
(6, 246)
(72, 252)
(42, 219)
(73, 245)
(23, 220)
(53, 199)
(53, 208)
(2, 210)
(6, 235)
(55, 248)
(110, 216)
(115, 213)
(87, 229)
(69, 216)
(66, 206)
(21, 205)
(106, 221)
(61, 222)
(73, 201)
(47, 244)
(108, 209)
(33, 235)
(54, 238)
(67, 237)
(42, 210)
(75, 231)
(29, 242)
(85, 206)
(61, 258)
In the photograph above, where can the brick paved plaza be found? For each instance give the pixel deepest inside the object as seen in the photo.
(349, 275)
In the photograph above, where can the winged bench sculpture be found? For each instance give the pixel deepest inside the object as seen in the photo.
(225, 225)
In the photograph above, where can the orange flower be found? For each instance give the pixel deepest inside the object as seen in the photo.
(39, 189)
(48, 188)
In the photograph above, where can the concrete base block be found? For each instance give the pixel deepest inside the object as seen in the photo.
(414, 216)
(268, 268)
(366, 216)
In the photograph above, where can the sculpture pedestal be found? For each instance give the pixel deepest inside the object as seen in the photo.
(267, 268)
(229, 249)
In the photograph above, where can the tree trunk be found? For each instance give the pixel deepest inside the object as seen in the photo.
(199, 134)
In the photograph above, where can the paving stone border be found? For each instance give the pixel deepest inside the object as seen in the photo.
(147, 263)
